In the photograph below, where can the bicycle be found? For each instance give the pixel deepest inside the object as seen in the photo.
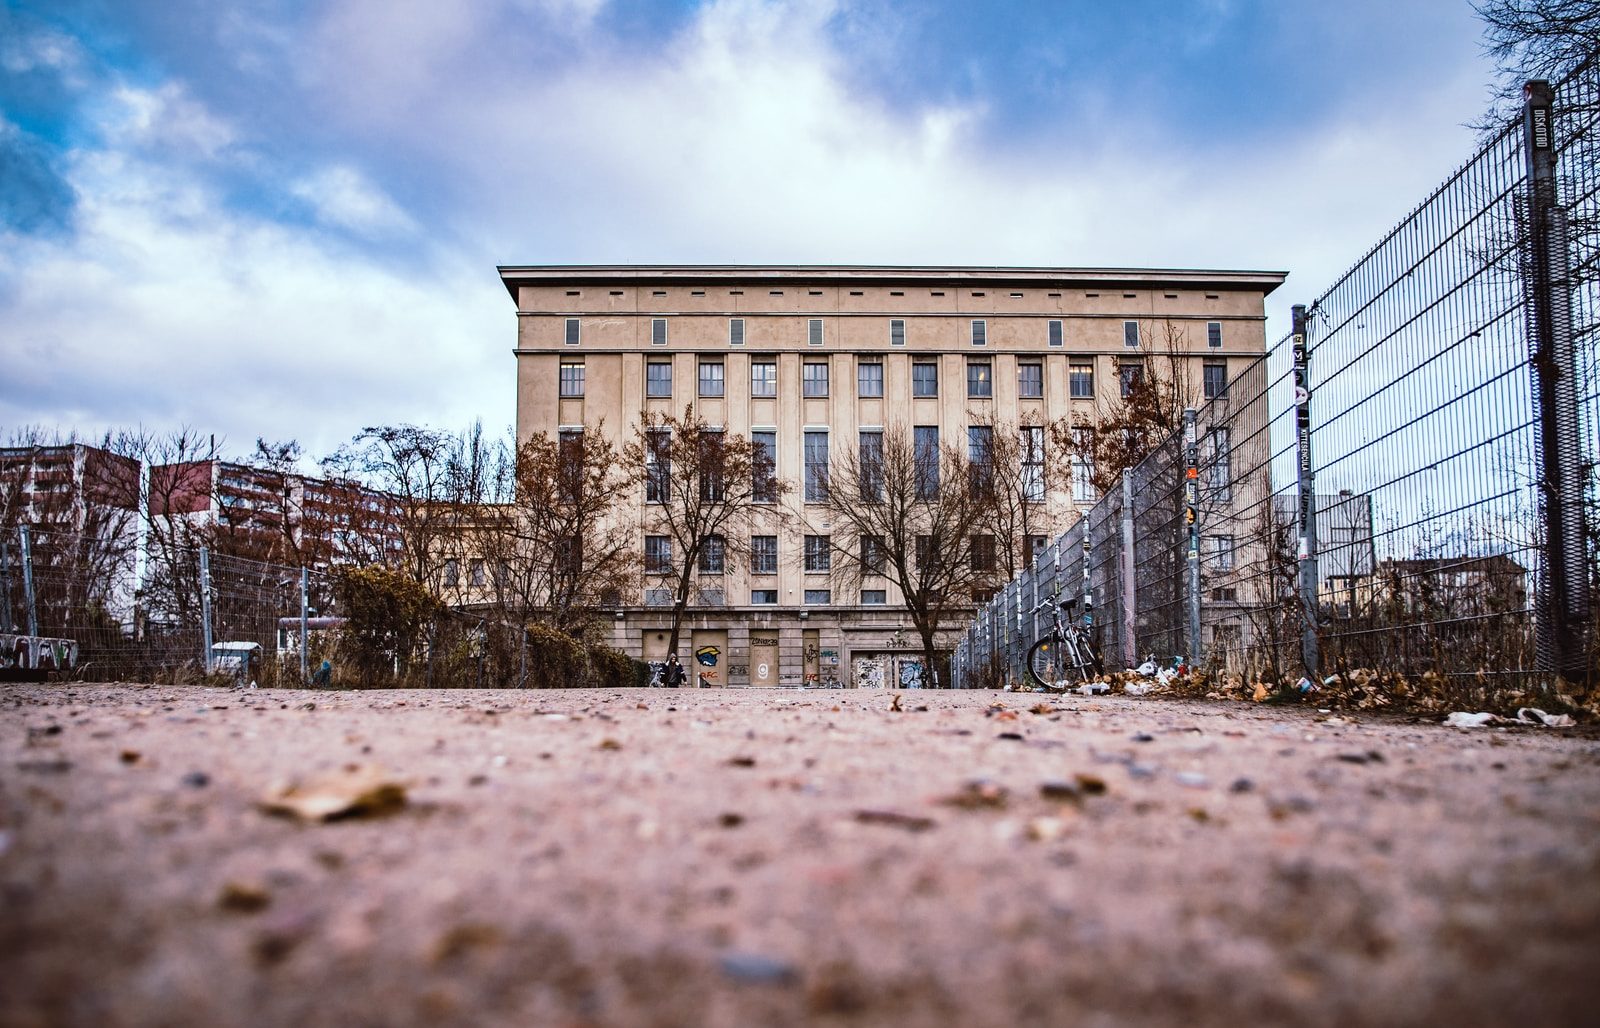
(1065, 658)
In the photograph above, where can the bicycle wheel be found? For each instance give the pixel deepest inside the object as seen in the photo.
(1052, 663)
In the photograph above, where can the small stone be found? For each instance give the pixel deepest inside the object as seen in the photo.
(730, 820)
(1060, 789)
(1092, 785)
(1241, 785)
(1141, 771)
(242, 898)
(130, 756)
(1143, 737)
(1192, 780)
(757, 969)
(196, 779)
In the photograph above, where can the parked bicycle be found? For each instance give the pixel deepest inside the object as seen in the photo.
(1065, 658)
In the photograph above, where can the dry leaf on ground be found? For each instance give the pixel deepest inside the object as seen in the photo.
(355, 790)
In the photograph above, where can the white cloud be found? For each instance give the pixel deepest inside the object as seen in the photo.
(342, 196)
(166, 117)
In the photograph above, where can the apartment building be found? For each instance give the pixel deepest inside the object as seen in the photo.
(803, 360)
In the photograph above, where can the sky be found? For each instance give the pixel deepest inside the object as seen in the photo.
(282, 218)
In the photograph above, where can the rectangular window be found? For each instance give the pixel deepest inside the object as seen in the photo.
(712, 460)
(763, 597)
(1030, 380)
(763, 378)
(657, 555)
(980, 379)
(764, 467)
(1221, 547)
(658, 597)
(927, 554)
(874, 556)
(658, 466)
(980, 334)
(452, 573)
(982, 553)
(573, 332)
(925, 453)
(1130, 333)
(658, 378)
(1057, 337)
(869, 378)
(874, 597)
(1083, 490)
(713, 555)
(814, 379)
(1214, 333)
(814, 331)
(897, 332)
(925, 378)
(1081, 381)
(658, 331)
(735, 331)
(711, 378)
(764, 555)
(871, 458)
(980, 459)
(1219, 464)
(1130, 375)
(816, 467)
(1216, 380)
(819, 553)
(1033, 463)
(819, 597)
(571, 378)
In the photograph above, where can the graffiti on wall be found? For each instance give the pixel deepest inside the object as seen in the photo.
(869, 672)
(32, 653)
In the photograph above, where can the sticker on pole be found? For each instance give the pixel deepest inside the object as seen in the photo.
(1301, 395)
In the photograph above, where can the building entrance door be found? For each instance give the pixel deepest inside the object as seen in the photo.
(764, 658)
(709, 668)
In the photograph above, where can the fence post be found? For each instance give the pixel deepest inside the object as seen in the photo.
(205, 608)
(1563, 600)
(305, 612)
(1191, 517)
(27, 580)
(5, 586)
(1130, 595)
(1307, 494)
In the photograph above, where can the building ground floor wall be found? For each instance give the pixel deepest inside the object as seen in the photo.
(745, 649)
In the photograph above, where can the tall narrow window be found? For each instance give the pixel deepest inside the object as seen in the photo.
(1130, 333)
(764, 467)
(897, 332)
(816, 467)
(925, 455)
(980, 333)
(1081, 380)
(1216, 380)
(657, 555)
(814, 331)
(871, 458)
(572, 332)
(869, 379)
(713, 555)
(571, 378)
(814, 378)
(1131, 374)
(711, 378)
(1033, 463)
(735, 331)
(1219, 476)
(1214, 333)
(1083, 490)
(874, 555)
(763, 378)
(925, 378)
(712, 460)
(764, 555)
(980, 379)
(658, 331)
(1030, 380)
(982, 553)
(1056, 335)
(980, 459)
(658, 378)
(819, 554)
(1221, 547)
(658, 466)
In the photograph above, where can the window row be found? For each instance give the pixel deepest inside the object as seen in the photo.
(978, 329)
(816, 554)
(814, 375)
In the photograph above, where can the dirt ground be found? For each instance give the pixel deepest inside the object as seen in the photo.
(777, 857)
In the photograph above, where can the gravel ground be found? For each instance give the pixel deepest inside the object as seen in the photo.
(780, 857)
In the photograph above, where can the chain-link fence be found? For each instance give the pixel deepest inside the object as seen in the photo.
(1404, 484)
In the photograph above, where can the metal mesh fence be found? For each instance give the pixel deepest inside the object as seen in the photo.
(1451, 444)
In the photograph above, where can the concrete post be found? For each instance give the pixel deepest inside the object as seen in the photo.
(1308, 499)
(1191, 517)
(27, 581)
(1130, 594)
(205, 608)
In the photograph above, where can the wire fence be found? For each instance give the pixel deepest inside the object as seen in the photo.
(1406, 484)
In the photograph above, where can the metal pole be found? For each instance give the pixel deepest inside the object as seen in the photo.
(1308, 499)
(1191, 517)
(5, 587)
(27, 580)
(205, 607)
(1563, 586)
(1130, 648)
(305, 613)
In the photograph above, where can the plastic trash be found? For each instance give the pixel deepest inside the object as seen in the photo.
(1138, 688)
(1462, 719)
(1535, 716)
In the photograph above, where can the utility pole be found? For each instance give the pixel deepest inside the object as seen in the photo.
(305, 613)
(27, 580)
(5, 587)
(1130, 594)
(205, 608)
(1308, 499)
(1191, 518)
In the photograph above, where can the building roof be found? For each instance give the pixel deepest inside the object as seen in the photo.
(516, 275)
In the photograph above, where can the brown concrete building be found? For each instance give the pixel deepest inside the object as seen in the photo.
(804, 359)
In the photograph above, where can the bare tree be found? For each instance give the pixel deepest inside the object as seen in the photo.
(916, 515)
(1529, 39)
(177, 518)
(1018, 483)
(705, 489)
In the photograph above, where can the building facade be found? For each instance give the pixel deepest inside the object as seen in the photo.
(803, 360)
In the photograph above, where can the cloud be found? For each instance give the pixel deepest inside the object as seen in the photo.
(34, 198)
(343, 197)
